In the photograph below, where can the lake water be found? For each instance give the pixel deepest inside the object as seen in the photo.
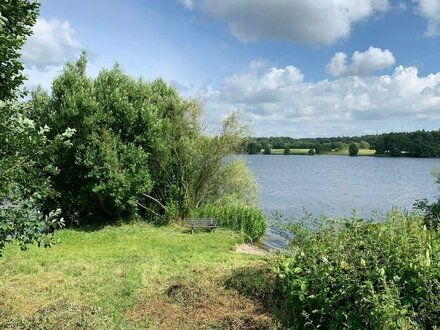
(335, 185)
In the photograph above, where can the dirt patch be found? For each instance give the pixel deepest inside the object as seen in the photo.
(251, 249)
(190, 306)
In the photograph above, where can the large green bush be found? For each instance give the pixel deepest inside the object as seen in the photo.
(249, 220)
(355, 274)
(138, 148)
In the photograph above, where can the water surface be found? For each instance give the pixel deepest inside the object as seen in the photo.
(335, 185)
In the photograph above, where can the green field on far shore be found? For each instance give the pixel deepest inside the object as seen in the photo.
(362, 152)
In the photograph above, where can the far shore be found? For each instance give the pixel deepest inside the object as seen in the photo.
(304, 152)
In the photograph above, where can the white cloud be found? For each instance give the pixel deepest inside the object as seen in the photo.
(281, 102)
(187, 3)
(53, 43)
(312, 22)
(362, 63)
(430, 9)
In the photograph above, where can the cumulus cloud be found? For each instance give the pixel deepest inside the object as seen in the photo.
(430, 9)
(53, 43)
(362, 63)
(280, 101)
(312, 22)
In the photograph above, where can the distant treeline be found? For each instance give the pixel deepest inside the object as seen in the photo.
(412, 144)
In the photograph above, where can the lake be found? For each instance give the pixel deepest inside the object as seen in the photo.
(335, 185)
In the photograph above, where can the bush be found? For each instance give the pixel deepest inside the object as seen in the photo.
(311, 152)
(356, 274)
(353, 149)
(249, 220)
(431, 212)
(139, 148)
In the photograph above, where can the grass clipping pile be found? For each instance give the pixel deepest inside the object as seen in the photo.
(59, 315)
(187, 305)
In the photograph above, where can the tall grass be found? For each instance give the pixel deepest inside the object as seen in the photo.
(249, 220)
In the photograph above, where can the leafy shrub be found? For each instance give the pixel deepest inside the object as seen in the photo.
(349, 273)
(249, 220)
(431, 212)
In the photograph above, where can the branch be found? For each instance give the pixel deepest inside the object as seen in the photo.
(155, 200)
(148, 209)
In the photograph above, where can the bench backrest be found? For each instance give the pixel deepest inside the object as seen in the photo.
(202, 222)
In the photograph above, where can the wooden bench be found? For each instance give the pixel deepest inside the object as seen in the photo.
(207, 223)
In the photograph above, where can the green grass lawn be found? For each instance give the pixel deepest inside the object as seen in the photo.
(126, 277)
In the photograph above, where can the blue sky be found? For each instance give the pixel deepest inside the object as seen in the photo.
(293, 67)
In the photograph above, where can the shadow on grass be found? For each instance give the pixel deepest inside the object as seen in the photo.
(97, 223)
(259, 285)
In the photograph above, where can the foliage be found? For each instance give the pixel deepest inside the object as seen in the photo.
(349, 273)
(249, 220)
(235, 181)
(287, 151)
(353, 149)
(253, 148)
(139, 148)
(26, 163)
(26, 152)
(409, 144)
(104, 169)
(430, 212)
(212, 173)
(364, 145)
(311, 152)
(16, 20)
(267, 150)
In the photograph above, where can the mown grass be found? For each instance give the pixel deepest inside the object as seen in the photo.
(362, 152)
(128, 273)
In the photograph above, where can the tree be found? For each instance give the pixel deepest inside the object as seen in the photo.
(318, 148)
(105, 171)
(338, 146)
(16, 20)
(139, 148)
(311, 152)
(267, 150)
(26, 153)
(353, 149)
(287, 151)
(253, 148)
(364, 145)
